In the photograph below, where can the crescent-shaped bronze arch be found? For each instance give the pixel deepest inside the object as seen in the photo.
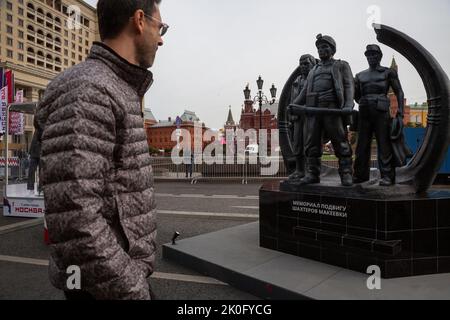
(283, 123)
(421, 171)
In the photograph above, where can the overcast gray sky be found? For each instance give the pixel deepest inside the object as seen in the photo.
(214, 48)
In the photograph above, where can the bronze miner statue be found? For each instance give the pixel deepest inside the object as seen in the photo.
(307, 62)
(371, 92)
(327, 100)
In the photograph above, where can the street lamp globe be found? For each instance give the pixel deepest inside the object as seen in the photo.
(273, 92)
(260, 83)
(247, 93)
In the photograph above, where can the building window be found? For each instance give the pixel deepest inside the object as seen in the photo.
(20, 23)
(9, 17)
(9, 54)
(73, 55)
(9, 30)
(66, 43)
(9, 42)
(66, 62)
(20, 45)
(21, 34)
(21, 57)
(20, 11)
(8, 5)
(66, 33)
(66, 52)
(73, 37)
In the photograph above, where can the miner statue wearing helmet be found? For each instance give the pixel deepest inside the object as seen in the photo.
(307, 62)
(330, 85)
(371, 92)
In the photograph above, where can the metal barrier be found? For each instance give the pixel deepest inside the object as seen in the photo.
(17, 169)
(232, 169)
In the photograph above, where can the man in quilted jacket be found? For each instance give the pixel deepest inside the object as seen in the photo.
(96, 172)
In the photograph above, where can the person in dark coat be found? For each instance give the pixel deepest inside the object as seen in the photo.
(35, 151)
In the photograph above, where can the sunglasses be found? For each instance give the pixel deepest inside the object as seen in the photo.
(163, 26)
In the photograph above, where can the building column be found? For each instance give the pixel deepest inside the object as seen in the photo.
(34, 96)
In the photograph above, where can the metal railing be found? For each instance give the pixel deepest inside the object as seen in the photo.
(241, 169)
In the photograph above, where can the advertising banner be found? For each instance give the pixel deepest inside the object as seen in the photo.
(3, 105)
(26, 208)
(16, 120)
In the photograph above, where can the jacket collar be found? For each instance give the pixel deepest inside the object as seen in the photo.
(138, 78)
(327, 63)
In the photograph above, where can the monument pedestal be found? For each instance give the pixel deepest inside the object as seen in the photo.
(404, 236)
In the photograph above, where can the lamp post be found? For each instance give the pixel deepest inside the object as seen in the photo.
(260, 97)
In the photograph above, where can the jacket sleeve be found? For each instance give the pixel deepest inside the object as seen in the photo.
(349, 86)
(78, 142)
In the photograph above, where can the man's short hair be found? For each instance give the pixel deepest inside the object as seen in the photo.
(113, 15)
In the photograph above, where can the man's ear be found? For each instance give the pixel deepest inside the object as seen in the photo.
(138, 21)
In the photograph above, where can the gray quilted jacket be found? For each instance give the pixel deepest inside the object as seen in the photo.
(97, 178)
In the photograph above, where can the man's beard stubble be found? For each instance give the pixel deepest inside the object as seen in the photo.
(145, 56)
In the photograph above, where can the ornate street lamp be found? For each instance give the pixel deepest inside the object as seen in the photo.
(261, 98)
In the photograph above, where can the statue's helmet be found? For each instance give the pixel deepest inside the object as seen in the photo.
(373, 48)
(308, 57)
(327, 39)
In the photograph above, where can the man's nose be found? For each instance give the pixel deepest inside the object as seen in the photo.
(160, 42)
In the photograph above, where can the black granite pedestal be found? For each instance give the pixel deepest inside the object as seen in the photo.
(404, 236)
